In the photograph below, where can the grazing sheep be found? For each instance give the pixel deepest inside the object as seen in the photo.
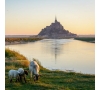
(34, 69)
(13, 74)
(22, 73)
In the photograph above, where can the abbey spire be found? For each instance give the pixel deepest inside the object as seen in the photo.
(55, 19)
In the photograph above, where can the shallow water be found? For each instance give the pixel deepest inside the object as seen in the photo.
(62, 54)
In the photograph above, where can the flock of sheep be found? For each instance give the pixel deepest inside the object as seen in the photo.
(20, 73)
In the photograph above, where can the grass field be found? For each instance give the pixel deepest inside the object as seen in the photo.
(87, 39)
(49, 80)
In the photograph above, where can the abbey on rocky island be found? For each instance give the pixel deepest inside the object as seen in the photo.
(55, 31)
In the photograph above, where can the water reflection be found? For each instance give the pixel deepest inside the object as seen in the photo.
(63, 54)
(54, 47)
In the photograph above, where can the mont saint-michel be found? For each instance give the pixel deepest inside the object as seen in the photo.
(55, 31)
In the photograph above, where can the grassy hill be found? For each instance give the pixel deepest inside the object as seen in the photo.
(49, 80)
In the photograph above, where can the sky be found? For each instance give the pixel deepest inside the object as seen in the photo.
(29, 17)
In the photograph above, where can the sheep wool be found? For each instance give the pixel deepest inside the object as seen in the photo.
(13, 74)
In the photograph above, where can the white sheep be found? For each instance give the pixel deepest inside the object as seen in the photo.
(13, 74)
(34, 69)
(21, 70)
(22, 73)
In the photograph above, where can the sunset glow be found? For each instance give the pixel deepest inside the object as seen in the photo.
(28, 17)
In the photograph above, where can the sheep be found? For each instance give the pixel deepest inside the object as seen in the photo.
(13, 74)
(22, 73)
(34, 69)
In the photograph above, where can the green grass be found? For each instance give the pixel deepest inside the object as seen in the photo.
(87, 39)
(49, 80)
(11, 55)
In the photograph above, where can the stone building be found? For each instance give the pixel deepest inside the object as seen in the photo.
(55, 31)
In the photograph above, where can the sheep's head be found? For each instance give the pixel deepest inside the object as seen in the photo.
(26, 72)
(36, 77)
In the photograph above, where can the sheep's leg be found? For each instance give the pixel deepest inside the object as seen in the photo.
(18, 79)
(10, 78)
(34, 78)
(21, 78)
(24, 79)
(30, 75)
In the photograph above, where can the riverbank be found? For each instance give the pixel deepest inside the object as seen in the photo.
(49, 80)
(20, 40)
(15, 42)
(87, 39)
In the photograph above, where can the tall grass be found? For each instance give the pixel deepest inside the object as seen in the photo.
(14, 60)
(11, 54)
